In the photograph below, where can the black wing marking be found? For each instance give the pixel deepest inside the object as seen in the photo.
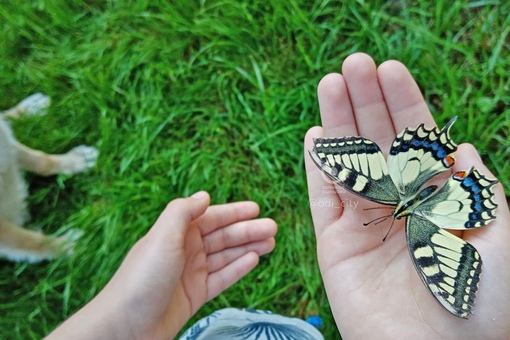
(358, 165)
(417, 155)
(447, 265)
(466, 201)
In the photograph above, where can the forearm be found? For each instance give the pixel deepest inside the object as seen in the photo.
(118, 312)
(93, 321)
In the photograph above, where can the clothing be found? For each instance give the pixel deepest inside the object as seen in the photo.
(246, 324)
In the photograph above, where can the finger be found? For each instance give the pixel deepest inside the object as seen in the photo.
(320, 188)
(239, 233)
(221, 215)
(403, 96)
(335, 107)
(178, 214)
(218, 281)
(223, 258)
(466, 157)
(372, 117)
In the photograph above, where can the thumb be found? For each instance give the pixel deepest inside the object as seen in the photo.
(179, 213)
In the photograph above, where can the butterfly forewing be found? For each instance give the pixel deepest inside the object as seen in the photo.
(464, 202)
(358, 165)
(417, 155)
(449, 266)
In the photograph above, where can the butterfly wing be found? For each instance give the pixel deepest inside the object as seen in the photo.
(447, 265)
(464, 202)
(358, 165)
(418, 154)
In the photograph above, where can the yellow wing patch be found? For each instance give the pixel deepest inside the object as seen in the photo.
(449, 266)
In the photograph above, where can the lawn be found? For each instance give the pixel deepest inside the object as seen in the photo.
(181, 96)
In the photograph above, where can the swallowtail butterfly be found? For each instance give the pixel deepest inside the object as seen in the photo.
(447, 265)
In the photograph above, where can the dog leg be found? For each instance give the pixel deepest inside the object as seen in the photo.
(20, 244)
(36, 104)
(76, 160)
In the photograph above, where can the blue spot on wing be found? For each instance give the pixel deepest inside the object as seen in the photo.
(468, 181)
(426, 139)
(482, 206)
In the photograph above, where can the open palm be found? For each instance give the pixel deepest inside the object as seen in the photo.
(373, 287)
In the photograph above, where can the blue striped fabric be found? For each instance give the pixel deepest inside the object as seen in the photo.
(246, 324)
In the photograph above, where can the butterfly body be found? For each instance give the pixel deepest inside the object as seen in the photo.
(448, 266)
(406, 207)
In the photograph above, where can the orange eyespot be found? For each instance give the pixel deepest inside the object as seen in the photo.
(448, 161)
(460, 174)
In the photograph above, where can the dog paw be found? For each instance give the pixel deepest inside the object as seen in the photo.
(88, 153)
(79, 159)
(66, 243)
(36, 104)
(72, 235)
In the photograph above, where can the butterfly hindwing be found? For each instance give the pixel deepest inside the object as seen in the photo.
(416, 155)
(464, 202)
(358, 165)
(449, 266)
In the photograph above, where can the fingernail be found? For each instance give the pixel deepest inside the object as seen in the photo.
(199, 195)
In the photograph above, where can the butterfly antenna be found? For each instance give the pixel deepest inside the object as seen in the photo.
(373, 208)
(391, 226)
(379, 219)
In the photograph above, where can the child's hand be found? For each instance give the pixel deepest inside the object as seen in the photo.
(192, 253)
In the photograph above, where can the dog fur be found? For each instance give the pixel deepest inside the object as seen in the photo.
(16, 242)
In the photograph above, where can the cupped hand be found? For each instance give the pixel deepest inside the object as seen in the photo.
(192, 253)
(373, 287)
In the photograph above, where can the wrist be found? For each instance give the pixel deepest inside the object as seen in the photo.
(93, 321)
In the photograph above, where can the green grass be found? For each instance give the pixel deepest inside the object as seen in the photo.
(217, 95)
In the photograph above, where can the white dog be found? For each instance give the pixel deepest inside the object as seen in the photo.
(17, 243)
